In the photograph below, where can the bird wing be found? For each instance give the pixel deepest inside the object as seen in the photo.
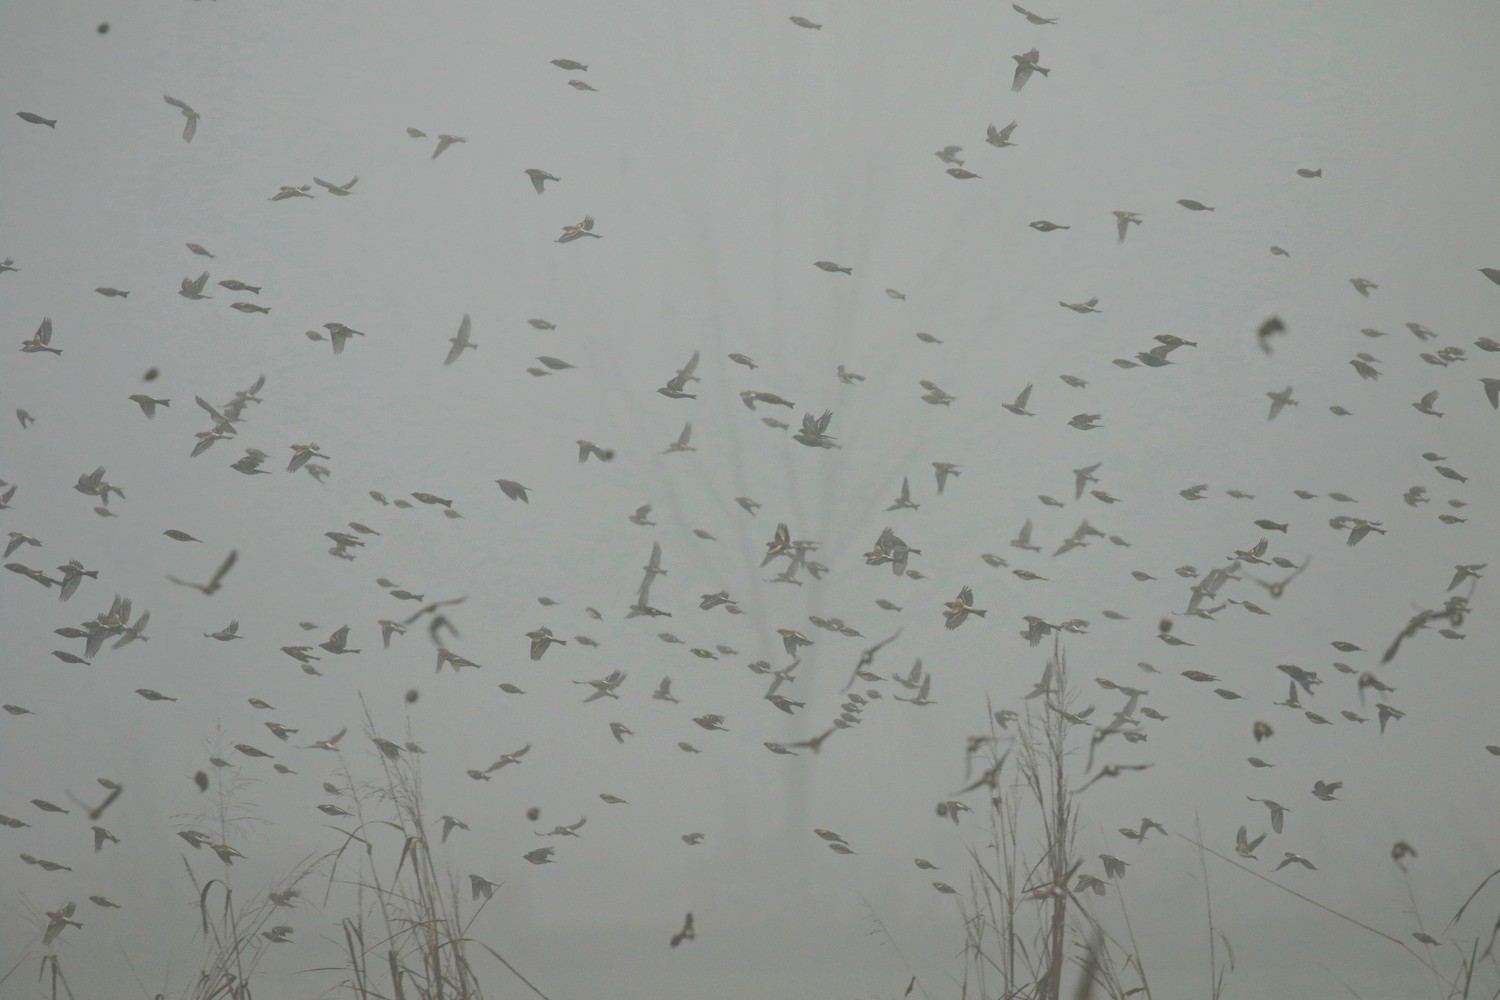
(224, 568)
(178, 104)
(688, 369)
(210, 409)
(587, 223)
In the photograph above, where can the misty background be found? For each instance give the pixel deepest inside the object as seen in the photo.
(723, 151)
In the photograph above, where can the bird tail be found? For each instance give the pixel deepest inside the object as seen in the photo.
(1041, 70)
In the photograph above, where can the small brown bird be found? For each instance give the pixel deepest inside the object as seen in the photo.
(539, 177)
(1033, 18)
(1000, 137)
(1027, 63)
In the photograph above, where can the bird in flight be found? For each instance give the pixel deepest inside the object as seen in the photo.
(460, 342)
(335, 189)
(192, 288)
(579, 231)
(1123, 222)
(539, 177)
(190, 127)
(1279, 401)
(212, 586)
(40, 342)
(444, 141)
(1027, 63)
(1000, 137)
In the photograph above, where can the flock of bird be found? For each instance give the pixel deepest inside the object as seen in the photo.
(755, 695)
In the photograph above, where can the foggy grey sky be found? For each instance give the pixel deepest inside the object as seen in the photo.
(724, 152)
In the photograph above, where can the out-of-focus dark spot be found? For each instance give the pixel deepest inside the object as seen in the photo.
(412, 696)
(150, 375)
(201, 780)
(533, 814)
(104, 28)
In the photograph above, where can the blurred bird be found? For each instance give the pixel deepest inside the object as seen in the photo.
(460, 342)
(1026, 64)
(582, 229)
(1033, 18)
(336, 189)
(40, 342)
(538, 178)
(1000, 138)
(444, 141)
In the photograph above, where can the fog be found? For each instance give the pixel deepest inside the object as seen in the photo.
(722, 151)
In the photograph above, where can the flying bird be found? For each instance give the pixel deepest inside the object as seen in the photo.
(213, 585)
(1026, 64)
(1033, 18)
(190, 127)
(541, 639)
(687, 933)
(1000, 138)
(540, 177)
(576, 232)
(40, 342)
(1279, 401)
(1270, 327)
(444, 141)
(192, 288)
(460, 342)
(335, 189)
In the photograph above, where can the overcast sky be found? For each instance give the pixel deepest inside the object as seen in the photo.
(721, 152)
